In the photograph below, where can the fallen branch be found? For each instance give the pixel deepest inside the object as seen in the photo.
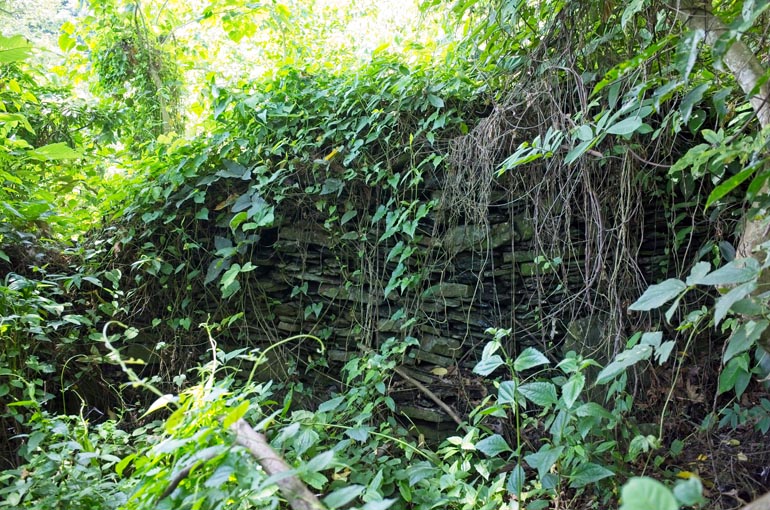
(443, 405)
(292, 488)
(417, 384)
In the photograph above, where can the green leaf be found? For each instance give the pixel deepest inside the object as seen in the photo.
(382, 504)
(691, 99)
(657, 295)
(343, 496)
(219, 477)
(331, 405)
(319, 462)
(493, 445)
(539, 393)
(544, 459)
(595, 410)
(14, 49)
(235, 414)
(632, 8)
(230, 275)
(488, 365)
(578, 151)
(332, 185)
(54, 151)
(689, 492)
(506, 393)
(349, 215)
(435, 101)
(744, 338)
(625, 127)
(215, 269)
(624, 360)
(737, 271)
(529, 358)
(732, 375)
(698, 271)
(420, 471)
(584, 133)
(730, 184)
(725, 302)
(572, 388)
(516, 480)
(588, 472)
(646, 494)
(160, 403)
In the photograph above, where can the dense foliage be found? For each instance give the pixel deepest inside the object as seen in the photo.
(154, 180)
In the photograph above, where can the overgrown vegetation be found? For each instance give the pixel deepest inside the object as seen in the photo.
(514, 258)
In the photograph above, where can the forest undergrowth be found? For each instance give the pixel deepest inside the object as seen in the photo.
(503, 267)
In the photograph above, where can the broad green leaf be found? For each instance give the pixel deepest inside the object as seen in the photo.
(421, 471)
(737, 271)
(588, 472)
(349, 215)
(219, 477)
(584, 133)
(529, 358)
(13, 118)
(319, 462)
(625, 127)
(215, 269)
(332, 185)
(343, 496)
(382, 504)
(360, 434)
(691, 99)
(730, 184)
(230, 275)
(689, 492)
(544, 459)
(516, 480)
(632, 8)
(53, 152)
(488, 365)
(572, 388)
(698, 272)
(624, 360)
(331, 405)
(493, 445)
(652, 338)
(14, 49)
(725, 302)
(646, 494)
(595, 410)
(506, 393)
(659, 294)
(744, 338)
(578, 151)
(663, 352)
(160, 403)
(733, 374)
(539, 393)
(235, 414)
(435, 100)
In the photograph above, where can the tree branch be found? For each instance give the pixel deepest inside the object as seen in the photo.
(292, 488)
